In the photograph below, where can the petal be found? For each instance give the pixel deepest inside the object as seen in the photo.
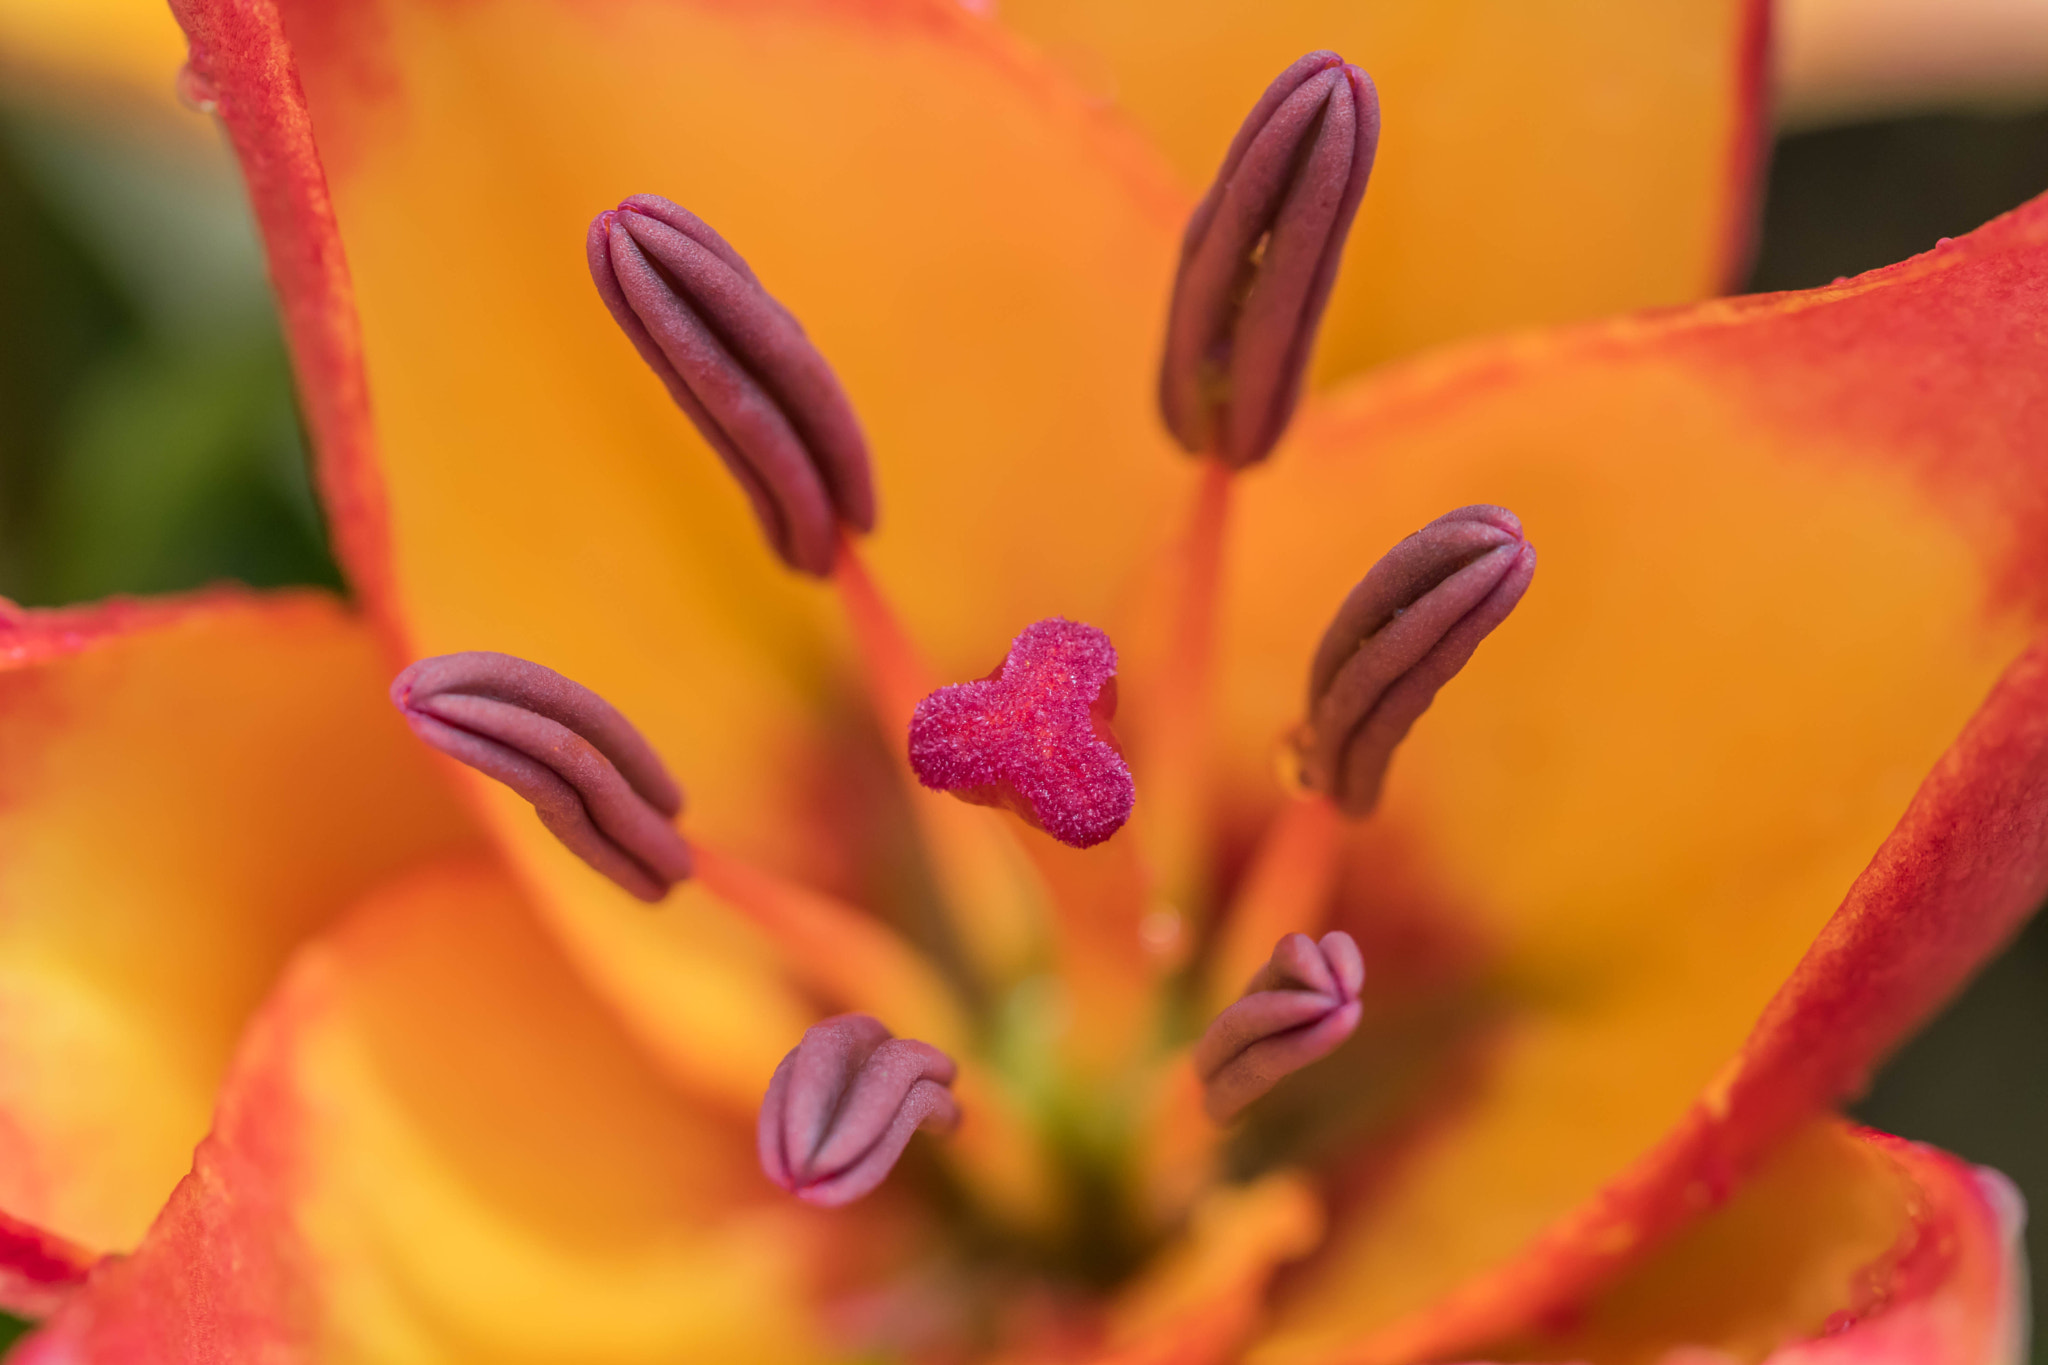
(38, 1269)
(435, 1145)
(187, 788)
(1788, 548)
(1849, 1246)
(1204, 1295)
(1537, 163)
(981, 257)
(102, 56)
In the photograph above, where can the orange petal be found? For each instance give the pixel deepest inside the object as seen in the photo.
(1205, 1294)
(1848, 1247)
(981, 255)
(187, 788)
(1788, 547)
(1537, 163)
(100, 57)
(436, 1144)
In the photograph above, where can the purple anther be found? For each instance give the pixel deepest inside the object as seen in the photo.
(740, 367)
(595, 783)
(842, 1106)
(1296, 1010)
(1033, 736)
(1260, 256)
(1402, 633)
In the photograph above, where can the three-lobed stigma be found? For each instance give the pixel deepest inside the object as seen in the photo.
(1033, 736)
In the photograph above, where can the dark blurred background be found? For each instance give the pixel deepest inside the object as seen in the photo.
(149, 441)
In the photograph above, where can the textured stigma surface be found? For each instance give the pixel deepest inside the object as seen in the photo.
(1034, 735)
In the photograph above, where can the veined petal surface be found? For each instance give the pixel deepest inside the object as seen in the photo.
(1540, 161)
(187, 788)
(436, 1145)
(983, 258)
(1789, 545)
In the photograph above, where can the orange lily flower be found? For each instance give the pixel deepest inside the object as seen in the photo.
(1752, 781)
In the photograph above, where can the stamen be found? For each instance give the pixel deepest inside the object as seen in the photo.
(1295, 1011)
(740, 367)
(838, 950)
(1288, 883)
(856, 962)
(897, 675)
(987, 884)
(1034, 735)
(1173, 747)
(843, 1104)
(596, 784)
(1260, 256)
(1401, 634)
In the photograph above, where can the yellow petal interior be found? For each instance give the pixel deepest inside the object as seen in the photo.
(1538, 162)
(179, 806)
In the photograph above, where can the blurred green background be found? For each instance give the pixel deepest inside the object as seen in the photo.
(149, 441)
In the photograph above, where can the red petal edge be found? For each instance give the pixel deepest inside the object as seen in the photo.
(1963, 870)
(1749, 146)
(239, 46)
(30, 636)
(38, 1269)
(1952, 1291)
(221, 1275)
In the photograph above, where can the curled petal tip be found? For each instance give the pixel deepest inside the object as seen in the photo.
(595, 782)
(1260, 257)
(1296, 1010)
(1401, 634)
(1034, 735)
(740, 367)
(843, 1105)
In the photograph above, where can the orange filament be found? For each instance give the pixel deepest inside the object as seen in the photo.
(897, 676)
(1287, 890)
(840, 951)
(856, 962)
(1174, 782)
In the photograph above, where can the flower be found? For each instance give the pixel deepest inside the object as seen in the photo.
(1752, 780)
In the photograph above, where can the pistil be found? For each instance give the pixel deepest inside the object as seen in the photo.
(1258, 260)
(1033, 736)
(996, 903)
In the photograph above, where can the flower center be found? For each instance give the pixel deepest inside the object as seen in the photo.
(1110, 1017)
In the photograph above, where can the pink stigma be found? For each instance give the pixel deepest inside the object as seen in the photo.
(1034, 735)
